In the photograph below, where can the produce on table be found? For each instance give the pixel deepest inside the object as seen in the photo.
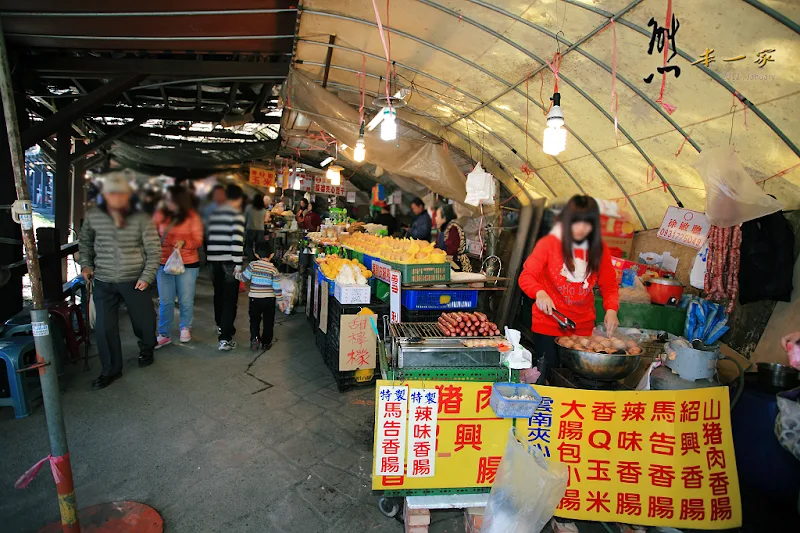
(332, 265)
(599, 344)
(403, 251)
(467, 325)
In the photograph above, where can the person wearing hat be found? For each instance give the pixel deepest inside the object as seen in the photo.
(120, 249)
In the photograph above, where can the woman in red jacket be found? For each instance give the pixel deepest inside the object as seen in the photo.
(561, 274)
(180, 228)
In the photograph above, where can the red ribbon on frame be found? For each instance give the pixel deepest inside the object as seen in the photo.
(55, 467)
(669, 108)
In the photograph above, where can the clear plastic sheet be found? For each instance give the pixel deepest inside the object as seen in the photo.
(732, 197)
(425, 162)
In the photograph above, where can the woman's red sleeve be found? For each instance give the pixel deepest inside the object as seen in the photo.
(530, 280)
(607, 281)
(194, 239)
(453, 242)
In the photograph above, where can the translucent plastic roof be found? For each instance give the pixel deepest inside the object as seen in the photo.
(478, 77)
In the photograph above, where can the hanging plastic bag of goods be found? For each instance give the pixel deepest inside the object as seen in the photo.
(732, 197)
(480, 187)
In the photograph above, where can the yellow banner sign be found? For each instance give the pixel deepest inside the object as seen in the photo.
(262, 177)
(652, 458)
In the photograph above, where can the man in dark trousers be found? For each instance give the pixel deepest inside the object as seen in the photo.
(120, 248)
(224, 254)
(421, 226)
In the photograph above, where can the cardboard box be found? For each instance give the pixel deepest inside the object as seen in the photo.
(352, 294)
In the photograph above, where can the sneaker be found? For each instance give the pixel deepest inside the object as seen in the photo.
(226, 346)
(145, 359)
(219, 331)
(254, 344)
(266, 346)
(186, 335)
(162, 341)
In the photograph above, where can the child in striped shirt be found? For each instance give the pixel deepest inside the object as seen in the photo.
(265, 294)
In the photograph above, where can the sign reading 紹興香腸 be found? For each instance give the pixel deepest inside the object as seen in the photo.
(652, 457)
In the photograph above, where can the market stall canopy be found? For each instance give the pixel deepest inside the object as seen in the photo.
(481, 73)
(161, 86)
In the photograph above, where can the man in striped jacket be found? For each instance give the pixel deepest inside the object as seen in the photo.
(120, 248)
(224, 254)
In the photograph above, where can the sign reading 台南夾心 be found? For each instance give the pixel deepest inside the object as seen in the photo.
(262, 177)
(660, 458)
(321, 186)
(686, 227)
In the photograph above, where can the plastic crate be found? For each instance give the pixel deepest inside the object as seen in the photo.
(504, 407)
(440, 299)
(367, 260)
(407, 315)
(421, 274)
(380, 289)
(331, 284)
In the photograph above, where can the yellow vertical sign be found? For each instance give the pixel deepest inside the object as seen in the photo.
(651, 457)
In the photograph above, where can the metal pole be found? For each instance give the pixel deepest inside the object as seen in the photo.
(45, 352)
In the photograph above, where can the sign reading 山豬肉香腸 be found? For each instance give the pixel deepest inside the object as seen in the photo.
(660, 458)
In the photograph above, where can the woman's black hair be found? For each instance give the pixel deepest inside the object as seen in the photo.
(183, 201)
(448, 213)
(304, 200)
(258, 201)
(581, 209)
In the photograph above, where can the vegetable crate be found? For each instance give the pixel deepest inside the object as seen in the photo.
(331, 284)
(406, 315)
(422, 274)
(440, 299)
(380, 289)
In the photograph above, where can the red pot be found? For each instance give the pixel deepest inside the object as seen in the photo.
(664, 291)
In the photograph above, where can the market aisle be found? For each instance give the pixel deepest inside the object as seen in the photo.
(216, 442)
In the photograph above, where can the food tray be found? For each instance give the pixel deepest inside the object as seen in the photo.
(439, 300)
(504, 407)
(421, 274)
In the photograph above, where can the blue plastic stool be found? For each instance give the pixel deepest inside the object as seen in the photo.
(17, 352)
(20, 325)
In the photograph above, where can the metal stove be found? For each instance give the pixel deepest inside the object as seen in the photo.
(423, 345)
(563, 377)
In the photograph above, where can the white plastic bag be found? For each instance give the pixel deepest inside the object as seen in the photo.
(697, 277)
(480, 187)
(526, 490)
(174, 264)
(732, 197)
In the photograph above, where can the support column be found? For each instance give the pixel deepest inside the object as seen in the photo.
(11, 292)
(78, 188)
(62, 202)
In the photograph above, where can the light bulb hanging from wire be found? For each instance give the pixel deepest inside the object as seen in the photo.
(554, 140)
(388, 125)
(334, 173)
(360, 150)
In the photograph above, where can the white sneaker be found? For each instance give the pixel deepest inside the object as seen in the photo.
(226, 346)
(186, 335)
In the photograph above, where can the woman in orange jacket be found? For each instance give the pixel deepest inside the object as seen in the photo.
(561, 274)
(180, 228)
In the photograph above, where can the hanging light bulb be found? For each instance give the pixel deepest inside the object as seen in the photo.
(272, 189)
(555, 136)
(334, 174)
(360, 150)
(388, 125)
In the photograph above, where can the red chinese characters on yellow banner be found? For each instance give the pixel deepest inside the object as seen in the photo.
(651, 458)
(262, 177)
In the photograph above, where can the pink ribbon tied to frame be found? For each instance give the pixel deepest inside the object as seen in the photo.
(55, 467)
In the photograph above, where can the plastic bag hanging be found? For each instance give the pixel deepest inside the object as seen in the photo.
(480, 187)
(174, 264)
(732, 197)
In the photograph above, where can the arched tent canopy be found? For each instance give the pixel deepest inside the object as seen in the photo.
(479, 76)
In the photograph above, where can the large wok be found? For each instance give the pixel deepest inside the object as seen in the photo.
(599, 366)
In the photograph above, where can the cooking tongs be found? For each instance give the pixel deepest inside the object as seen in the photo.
(563, 320)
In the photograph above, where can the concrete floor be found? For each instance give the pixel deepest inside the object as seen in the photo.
(232, 442)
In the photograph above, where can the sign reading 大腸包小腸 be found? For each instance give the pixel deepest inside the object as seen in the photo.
(689, 228)
(660, 458)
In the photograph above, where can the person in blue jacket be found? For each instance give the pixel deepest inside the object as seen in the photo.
(421, 226)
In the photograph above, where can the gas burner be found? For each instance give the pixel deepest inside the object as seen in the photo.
(562, 377)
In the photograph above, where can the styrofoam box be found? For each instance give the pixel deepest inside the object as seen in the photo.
(352, 294)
